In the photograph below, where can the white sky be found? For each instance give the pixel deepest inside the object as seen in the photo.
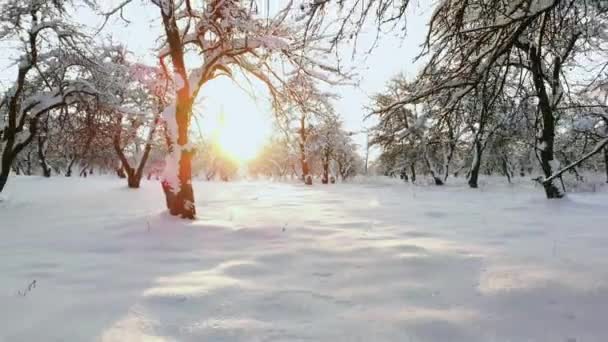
(393, 55)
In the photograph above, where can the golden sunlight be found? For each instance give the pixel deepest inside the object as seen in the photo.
(241, 137)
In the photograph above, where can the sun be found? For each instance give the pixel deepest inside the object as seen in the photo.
(241, 137)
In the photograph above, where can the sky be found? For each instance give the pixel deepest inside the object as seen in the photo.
(244, 113)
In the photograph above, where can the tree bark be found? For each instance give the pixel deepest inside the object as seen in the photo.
(133, 179)
(46, 170)
(180, 202)
(9, 133)
(475, 165)
(27, 168)
(6, 167)
(413, 172)
(133, 176)
(547, 134)
(403, 174)
(606, 161)
(84, 172)
(505, 169)
(68, 172)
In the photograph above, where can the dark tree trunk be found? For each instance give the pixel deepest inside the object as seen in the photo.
(308, 180)
(68, 172)
(9, 138)
(606, 161)
(413, 172)
(547, 136)
(546, 156)
(325, 179)
(11, 150)
(133, 178)
(438, 181)
(46, 170)
(505, 169)
(403, 174)
(84, 172)
(28, 170)
(475, 165)
(6, 168)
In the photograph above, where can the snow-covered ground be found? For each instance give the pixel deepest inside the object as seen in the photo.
(285, 262)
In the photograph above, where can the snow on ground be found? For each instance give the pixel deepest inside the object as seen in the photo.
(285, 262)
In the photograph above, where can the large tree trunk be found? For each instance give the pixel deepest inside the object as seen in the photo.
(179, 197)
(8, 138)
(46, 170)
(475, 165)
(546, 154)
(133, 179)
(606, 161)
(5, 170)
(180, 201)
(547, 133)
(7, 155)
(413, 172)
(68, 172)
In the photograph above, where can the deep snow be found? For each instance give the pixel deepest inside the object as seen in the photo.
(285, 262)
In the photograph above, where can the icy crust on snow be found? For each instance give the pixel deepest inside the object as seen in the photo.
(381, 261)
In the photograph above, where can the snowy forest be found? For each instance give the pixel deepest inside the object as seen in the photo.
(288, 170)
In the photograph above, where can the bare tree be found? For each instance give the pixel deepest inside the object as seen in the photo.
(228, 35)
(51, 46)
